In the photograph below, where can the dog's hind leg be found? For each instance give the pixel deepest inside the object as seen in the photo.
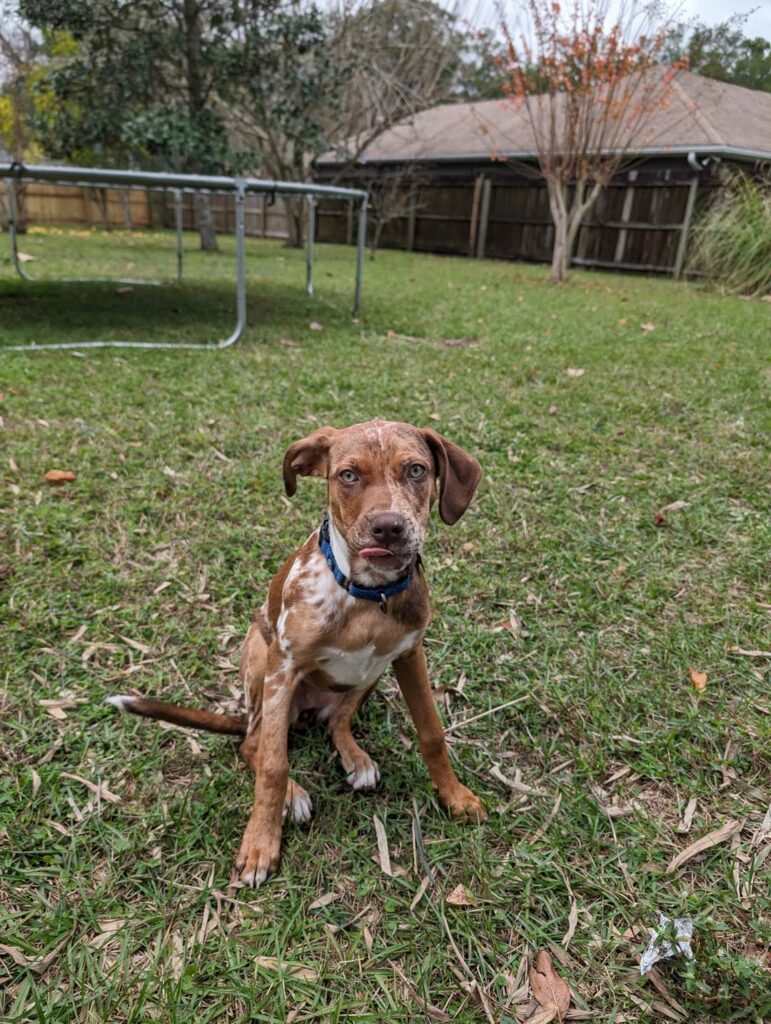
(360, 770)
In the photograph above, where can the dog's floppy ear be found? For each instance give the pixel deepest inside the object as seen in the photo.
(459, 474)
(308, 457)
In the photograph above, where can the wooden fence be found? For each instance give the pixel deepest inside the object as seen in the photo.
(640, 221)
(135, 208)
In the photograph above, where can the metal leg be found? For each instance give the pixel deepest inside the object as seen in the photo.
(309, 245)
(10, 192)
(360, 246)
(240, 268)
(178, 225)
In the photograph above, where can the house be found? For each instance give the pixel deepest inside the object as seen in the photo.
(476, 190)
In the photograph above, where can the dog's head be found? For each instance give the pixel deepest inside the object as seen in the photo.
(382, 479)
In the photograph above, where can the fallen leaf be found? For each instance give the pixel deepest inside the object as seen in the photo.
(699, 680)
(552, 410)
(434, 416)
(24, 257)
(125, 290)
(719, 835)
(382, 846)
(35, 783)
(573, 371)
(660, 517)
(460, 897)
(324, 901)
(548, 988)
(572, 923)
(107, 931)
(687, 821)
(59, 476)
(315, 326)
(295, 970)
(648, 327)
(100, 790)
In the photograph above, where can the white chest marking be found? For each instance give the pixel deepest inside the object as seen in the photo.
(362, 667)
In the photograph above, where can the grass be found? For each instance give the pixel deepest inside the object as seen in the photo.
(143, 574)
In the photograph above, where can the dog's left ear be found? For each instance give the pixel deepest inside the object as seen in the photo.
(308, 457)
(459, 474)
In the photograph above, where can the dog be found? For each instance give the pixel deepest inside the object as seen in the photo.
(348, 603)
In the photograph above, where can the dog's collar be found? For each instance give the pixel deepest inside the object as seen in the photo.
(379, 594)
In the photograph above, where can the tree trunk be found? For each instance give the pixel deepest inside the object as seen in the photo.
(559, 256)
(206, 223)
(375, 243)
(294, 223)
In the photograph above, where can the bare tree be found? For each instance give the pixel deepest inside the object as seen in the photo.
(587, 77)
(393, 194)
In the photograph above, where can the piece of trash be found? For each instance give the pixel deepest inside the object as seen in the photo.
(663, 950)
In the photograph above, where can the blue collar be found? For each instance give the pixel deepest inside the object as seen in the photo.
(379, 594)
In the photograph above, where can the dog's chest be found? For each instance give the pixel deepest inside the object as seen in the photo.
(361, 667)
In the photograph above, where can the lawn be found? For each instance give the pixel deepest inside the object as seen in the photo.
(592, 408)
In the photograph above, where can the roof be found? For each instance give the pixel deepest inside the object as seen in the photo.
(701, 113)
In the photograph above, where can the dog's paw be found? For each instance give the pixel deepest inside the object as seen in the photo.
(462, 803)
(257, 859)
(298, 804)
(364, 775)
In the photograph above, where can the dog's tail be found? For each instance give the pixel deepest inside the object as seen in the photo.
(234, 725)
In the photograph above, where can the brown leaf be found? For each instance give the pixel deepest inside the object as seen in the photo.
(324, 901)
(384, 856)
(548, 988)
(719, 835)
(660, 517)
(295, 970)
(749, 654)
(460, 897)
(699, 680)
(648, 327)
(59, 476)
(35, 783)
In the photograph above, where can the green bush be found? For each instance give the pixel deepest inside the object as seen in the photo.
(731, 241)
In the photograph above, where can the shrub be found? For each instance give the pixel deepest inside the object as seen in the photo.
(731, 242)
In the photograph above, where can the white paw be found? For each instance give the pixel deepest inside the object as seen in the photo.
(254, 878)
(365, 776)
(301, 806)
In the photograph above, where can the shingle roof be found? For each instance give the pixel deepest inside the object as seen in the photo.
(701, 113)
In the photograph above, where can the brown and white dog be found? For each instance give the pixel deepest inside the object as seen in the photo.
(351, 601)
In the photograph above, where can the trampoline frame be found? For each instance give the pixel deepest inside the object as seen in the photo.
(179, 184)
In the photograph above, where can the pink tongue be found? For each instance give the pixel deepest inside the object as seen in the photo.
(375, 553)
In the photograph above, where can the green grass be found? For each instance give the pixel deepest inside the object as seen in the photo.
(170, 535)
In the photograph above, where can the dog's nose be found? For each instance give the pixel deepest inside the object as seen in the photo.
(387, 527)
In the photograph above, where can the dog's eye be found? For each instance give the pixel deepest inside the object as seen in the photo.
(416, 471)
(348, 476)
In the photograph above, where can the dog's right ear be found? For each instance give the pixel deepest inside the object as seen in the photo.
(308, 457)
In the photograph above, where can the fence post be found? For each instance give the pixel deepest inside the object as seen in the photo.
(411, 222)
(685, 228)
(472, 231)
(484, 215)
(626, 214)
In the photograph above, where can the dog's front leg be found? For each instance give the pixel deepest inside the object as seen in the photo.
(412, 676)
(261, 845)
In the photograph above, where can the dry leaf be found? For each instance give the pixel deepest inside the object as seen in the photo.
(35, 783)
(687, 821)
(59, 476)
(295, 970)
(382, 846)
(124, 290)
(460, 897)
(107, 930)
(552, 410)
(434, 416)
(749, 654)
(573, 371)
(315, 326)
(719, 835)
(24, 257)
(572, 923)
(324, 901)
(699, 680)
(660, 517)
(100, 790)
(548, 988)
(648, 327)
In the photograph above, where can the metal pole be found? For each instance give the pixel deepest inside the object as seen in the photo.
(178, 224)
(240, 268)
(360, 246)
(309, 245)
(11, 194)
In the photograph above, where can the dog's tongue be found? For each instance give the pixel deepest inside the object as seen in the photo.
(375, 553)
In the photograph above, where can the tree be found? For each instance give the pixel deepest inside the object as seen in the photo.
(393, 194)
(303, 82)
(139, 86)
(723, 52)
(588, 80)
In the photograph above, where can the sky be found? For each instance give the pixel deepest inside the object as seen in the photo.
(714, 11)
